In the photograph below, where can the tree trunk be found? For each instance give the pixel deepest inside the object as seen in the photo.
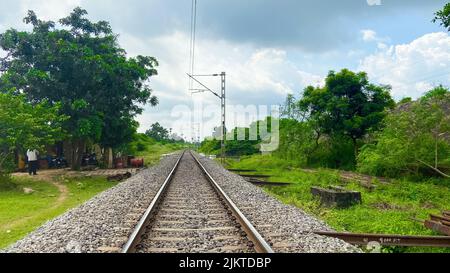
(67, 147)
(355, 149)
(109, 160)
(436, 156)
(78, 147)
(3, 157)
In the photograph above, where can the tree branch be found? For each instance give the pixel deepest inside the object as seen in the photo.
(433, 168)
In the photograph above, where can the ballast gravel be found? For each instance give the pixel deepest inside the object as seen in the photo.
(102, 224)
(286, 228)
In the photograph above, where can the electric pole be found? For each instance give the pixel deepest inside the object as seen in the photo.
(223, 107)
(222, 98)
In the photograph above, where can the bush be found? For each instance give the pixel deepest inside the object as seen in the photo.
(413, 135)
(6, 182)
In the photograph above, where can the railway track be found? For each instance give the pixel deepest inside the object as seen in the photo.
(192, 214)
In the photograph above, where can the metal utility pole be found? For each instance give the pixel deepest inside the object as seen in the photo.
(222, 98)
(223, 107)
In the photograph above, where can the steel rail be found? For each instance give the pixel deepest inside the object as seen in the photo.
(134, 239)
(260, 245)
(389, 240)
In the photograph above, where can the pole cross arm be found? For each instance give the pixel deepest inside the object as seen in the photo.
(207, 89)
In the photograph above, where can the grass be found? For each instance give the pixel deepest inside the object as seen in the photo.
(153, 152)
(22, 213)
(388, 209)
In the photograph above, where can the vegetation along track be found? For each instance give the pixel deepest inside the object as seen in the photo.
(191, 213)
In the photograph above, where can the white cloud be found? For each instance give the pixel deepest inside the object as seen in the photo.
(413, 68)
(254, 75)
(49, 9)
(374, 2)
(369, 35)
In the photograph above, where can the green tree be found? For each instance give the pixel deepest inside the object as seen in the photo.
(290, 109)
(443, 16)
(347, 105)
(82, 67)
(24, 125)
(239, 143)
(158, 132)
(297, 141)
(416, 137)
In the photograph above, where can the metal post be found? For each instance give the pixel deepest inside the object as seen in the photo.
(222, 98)
(223, 106)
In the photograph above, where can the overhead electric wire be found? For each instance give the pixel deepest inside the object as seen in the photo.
(192, 42)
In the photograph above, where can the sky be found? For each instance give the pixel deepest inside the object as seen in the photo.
(268, 48)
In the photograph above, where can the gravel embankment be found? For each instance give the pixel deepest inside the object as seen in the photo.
(102, 224)
(192, 219)
(287, 228)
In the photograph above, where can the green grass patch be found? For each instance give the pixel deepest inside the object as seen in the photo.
(22, 213)
(387, 210)
(153, 152)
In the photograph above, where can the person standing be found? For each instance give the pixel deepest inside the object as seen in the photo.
(32, 155)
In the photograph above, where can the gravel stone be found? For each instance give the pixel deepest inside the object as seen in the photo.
(287, 228)
(102, 222)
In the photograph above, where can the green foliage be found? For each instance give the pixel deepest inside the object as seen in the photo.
(210, 147)
(32, 210)
(443, 16)
(80, 67)
(158, 132)
(6, 182)
(139, 143)
(386, 210)
(24, 125)
(241, 141)
(291, 109)
(405, 100)
(335, 152)
(436, 93)
(297, 141)
(151, 150)
(325, 127)
(347, 105)
(415, 139)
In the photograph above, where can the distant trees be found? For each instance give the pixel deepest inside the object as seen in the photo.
(416, 137)
(241, 141)
(82, 68)
(443, 16)
(326, 126)
(158, 132)
(26, 126)
(411, 137)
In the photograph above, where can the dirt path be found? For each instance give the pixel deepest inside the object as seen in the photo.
(54, 177)
(51, 177)
(48, 177)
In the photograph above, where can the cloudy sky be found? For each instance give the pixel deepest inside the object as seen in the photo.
(269, 48)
